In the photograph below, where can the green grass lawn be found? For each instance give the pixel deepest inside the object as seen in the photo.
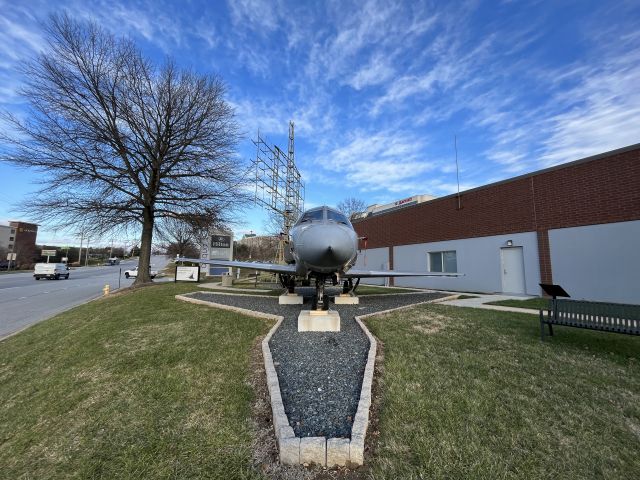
(474, 394)
(535, 303)
(138, 385)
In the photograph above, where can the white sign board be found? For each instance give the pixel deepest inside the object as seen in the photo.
(187, 274)
(49, 253)
(11, 256)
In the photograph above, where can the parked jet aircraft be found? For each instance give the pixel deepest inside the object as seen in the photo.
(324, 246)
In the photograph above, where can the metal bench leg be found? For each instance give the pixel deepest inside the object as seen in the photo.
(551, 330)
(541, 327)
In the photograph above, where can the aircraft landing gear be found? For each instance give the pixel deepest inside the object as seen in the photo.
(348, 287)
(321, 299)
(288, 282)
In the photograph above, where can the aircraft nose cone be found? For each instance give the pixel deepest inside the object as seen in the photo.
(328, 246)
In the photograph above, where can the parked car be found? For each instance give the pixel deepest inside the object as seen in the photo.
(50, 271)
(133, 273)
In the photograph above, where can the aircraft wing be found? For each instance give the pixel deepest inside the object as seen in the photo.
(356, 273)
(265, 267)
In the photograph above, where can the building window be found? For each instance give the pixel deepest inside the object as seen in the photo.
(443, 262)
(10, 246)
(11, 239)
(13, 231)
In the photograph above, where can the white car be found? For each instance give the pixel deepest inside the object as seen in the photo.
(134, 273)
(51, 271)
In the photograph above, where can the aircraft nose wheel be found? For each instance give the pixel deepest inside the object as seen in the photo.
(321, 300)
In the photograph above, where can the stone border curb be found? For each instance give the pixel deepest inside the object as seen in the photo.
(361, 420)
(389, 294)
(317, 450)
(216, 286)
(404, 307)
(251, 313)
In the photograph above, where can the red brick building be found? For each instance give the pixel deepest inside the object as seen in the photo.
(24, 244)
(577, 224)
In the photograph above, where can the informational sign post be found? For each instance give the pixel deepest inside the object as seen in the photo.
(220, 247)
(187, 274)
(49, 253)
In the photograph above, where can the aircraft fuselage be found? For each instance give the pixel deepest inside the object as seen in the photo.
(323, 242)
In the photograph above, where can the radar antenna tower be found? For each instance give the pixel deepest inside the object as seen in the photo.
(279, 185)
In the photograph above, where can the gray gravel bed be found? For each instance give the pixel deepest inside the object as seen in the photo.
(320, 373)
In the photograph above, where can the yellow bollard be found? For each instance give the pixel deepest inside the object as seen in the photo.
(105, 290)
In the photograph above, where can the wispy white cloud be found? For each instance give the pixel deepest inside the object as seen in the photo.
(257, 15)
(378, 89)
(377, 71)
(605, 115)
(380, 161)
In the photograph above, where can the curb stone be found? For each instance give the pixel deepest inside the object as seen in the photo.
(317, 450)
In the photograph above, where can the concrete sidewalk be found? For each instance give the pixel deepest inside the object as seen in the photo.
(481, 300)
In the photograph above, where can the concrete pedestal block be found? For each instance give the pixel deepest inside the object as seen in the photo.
(227, 281)
(347, 299)
(337, 452)
(313, 450)
(289, 450)
(319, 321)
(290, 299)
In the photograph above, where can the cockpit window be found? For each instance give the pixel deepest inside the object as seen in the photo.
(337, 217)
(311, 215)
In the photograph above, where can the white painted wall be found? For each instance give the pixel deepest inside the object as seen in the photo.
(478, 258)
(598, 262)
(373, 259)
(5, 234)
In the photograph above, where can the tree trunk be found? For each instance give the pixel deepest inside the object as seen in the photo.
(144, 260)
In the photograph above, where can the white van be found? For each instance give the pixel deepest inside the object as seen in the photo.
(51, 270)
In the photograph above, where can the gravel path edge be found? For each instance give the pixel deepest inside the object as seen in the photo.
(222, 306)
(327, 452)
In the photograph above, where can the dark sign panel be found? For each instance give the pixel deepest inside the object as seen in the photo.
(221, 241)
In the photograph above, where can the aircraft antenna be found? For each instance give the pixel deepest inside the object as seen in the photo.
(455, 146)
(278, 185)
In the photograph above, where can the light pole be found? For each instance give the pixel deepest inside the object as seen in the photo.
(80, 251)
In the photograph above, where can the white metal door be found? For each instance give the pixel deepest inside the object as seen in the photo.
(512, 270)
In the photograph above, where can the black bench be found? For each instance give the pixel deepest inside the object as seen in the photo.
(608, 317)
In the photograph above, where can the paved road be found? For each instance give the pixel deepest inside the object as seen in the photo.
(25, 301)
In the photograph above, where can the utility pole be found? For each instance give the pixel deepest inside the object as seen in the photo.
(80, 251)
(86, 257)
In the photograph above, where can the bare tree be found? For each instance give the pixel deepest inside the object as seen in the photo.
(184, 235)
(122, 142)
(351, 205)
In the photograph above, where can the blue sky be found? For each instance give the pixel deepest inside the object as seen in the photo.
(377, 90)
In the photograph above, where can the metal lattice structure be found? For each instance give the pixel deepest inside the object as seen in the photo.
(278, 183)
